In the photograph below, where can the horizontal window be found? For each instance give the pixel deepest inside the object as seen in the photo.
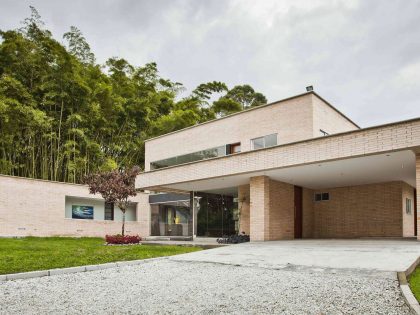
(322, 196)
(264, 142)
(191, 157)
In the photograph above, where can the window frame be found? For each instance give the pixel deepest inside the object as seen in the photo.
(321, 196)
(264, 141)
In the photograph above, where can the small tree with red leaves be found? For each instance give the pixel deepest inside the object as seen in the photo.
(115, 187)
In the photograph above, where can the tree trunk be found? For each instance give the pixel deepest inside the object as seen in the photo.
(123, 222)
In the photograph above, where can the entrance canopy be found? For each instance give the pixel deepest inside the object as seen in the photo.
(395, 166)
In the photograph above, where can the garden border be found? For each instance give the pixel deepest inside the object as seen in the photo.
(77, 269)
(405, 287)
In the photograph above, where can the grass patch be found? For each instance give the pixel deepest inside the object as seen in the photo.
(414, 281)
(40, 253)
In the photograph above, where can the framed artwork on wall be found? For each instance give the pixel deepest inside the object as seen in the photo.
(82, 212)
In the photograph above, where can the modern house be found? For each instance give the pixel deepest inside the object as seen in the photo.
(296, 168)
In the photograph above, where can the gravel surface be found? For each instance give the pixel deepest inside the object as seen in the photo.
(166, 286)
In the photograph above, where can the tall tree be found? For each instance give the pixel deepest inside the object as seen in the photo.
(63, 116)
(246, 96)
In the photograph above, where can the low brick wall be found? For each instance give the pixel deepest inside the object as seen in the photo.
(31, 207)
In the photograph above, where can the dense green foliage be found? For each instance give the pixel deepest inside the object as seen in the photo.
(63, 116)
(36, 253)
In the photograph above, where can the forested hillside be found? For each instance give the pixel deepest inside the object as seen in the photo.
(62, 115)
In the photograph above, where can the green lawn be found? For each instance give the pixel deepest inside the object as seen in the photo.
(38, 253)
(414, 281)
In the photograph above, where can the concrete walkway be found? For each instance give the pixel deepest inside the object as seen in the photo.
(366, 254)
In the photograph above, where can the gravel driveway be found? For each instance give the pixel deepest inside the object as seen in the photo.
(181, 287)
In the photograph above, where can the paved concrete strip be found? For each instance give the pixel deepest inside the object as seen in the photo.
(62, 271)
(27, 275)
(381, 255)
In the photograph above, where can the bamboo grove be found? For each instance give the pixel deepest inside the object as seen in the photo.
(63, 116)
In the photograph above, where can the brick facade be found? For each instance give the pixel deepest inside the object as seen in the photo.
(31, 207)
(375, 140)
(373, 210)
(271, 209)
(408, 218)
(308, 213)
(293, 119)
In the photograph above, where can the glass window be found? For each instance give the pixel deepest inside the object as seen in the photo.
(270, 140)
(190, 157)
(257, 143)
(322, 196)
(264, 142)
(171, 219)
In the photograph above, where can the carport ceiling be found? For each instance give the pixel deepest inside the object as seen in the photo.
(394, 166)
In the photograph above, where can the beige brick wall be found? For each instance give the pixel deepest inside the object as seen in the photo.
(308, 213)
(244, 206)
(271, 209)
(327, 119)
(290, 119)
(394, 137)
(360, 211)
(37, 208)
(281, 211)
(259, 208)
(408, 218)
(294, 119)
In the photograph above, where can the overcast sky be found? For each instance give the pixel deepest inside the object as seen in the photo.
(362, 56)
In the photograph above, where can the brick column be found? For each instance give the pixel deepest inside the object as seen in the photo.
(418, 193)
(259, 208)
(243, 204)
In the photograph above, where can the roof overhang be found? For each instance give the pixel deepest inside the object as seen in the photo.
(376, 154)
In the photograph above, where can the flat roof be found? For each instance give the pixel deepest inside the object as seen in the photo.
(256, 108)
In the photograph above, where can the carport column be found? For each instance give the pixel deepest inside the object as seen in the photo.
(418, 193)
(259, 208)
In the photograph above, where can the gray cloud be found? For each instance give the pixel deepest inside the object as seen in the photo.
(362, 56)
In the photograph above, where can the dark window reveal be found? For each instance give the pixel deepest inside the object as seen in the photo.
(109, 211)
(233, 148)
(322, 196)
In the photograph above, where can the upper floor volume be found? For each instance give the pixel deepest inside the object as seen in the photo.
(293, 119)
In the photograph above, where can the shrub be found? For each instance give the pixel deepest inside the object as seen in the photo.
(122, 239)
